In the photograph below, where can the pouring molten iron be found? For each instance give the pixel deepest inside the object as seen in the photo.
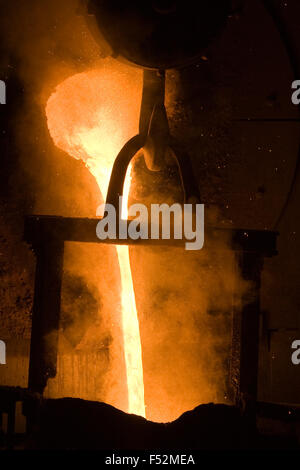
(92, 115)
(94, 131)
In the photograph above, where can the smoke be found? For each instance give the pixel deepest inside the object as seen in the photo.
(186, 303)
(45, 43)
(79, 308)
(184, 299)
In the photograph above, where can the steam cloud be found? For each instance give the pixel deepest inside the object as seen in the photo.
(184, 299)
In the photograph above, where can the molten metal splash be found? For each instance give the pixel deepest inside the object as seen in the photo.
(91, 115)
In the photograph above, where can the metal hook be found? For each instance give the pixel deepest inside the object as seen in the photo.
(154, 139)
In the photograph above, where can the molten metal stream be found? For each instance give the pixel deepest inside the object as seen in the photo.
(130, 323)
(88, 129)
(131, 330)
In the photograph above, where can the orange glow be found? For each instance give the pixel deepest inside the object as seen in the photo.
(131, 331)
(90, 116)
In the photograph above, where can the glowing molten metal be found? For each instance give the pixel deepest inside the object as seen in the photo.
(91, 115)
